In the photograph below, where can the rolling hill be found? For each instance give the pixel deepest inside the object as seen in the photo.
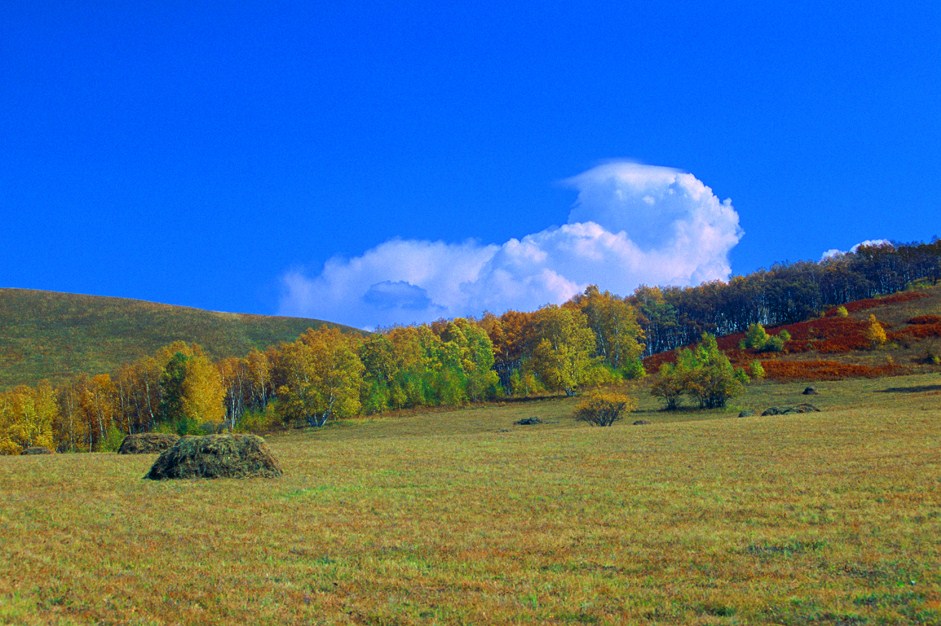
(54, 335)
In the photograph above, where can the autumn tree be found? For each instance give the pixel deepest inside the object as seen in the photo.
(563, 355)
(97, 406)
(322, 374)
(191, 391)
(508, 335)
(669, 386)
(258, 365)
(618, 335)
(377, 355)
(26, 417)
(234, 374)
(875, 332)
(468, 352)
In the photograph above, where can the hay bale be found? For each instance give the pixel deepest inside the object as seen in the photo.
(788, 410)
(37, 450)
(216, 456)
(147, 443)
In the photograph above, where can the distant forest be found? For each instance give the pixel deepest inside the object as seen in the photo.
(594, 339)
(673, 317)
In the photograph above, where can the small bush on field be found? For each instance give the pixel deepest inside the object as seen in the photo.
(604, 408)
(841, 311)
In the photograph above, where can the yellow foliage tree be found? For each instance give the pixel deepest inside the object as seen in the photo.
(26, 417)
(322, 375)
(875, 333)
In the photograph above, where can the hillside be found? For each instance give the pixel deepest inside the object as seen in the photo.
(833, 347)
(54, 335)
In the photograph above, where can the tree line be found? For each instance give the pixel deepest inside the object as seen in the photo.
(674, 317)
(327, 374)
(594, 339)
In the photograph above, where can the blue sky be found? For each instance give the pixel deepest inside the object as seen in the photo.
(445, 159)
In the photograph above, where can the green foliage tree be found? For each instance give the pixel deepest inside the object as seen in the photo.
(669, 386)
(758, 339)
(377, 355)
(563, 355)
(703, 373)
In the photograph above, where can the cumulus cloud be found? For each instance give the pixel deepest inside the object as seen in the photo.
(631, 224)
(872, 243)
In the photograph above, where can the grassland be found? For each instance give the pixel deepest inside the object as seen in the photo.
(55, 335)
(462, 517)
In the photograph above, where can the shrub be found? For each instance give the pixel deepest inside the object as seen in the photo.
(260, 421)
(756, 371)
(841, 311)
(634, 368)
(758, 339)
(668, 386)
(604, 408)
(114, 437)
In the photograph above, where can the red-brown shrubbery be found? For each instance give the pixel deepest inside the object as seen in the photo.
(916, 331)
(925, 319)
(828, 335)
(871, 303)
(822, 370)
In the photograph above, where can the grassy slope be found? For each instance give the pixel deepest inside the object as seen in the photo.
(53, 335)
(460, 516)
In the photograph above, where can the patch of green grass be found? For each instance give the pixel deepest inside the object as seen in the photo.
(458, 516)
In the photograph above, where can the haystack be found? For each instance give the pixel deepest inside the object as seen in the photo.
(37, 450)
(216, 456)
(788, 410)
(147, 443)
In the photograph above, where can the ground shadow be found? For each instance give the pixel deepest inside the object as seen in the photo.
(916, 389)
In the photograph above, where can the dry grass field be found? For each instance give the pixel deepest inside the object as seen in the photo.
(462, 517)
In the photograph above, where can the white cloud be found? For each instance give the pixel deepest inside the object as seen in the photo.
(631, 224)
(874, 243)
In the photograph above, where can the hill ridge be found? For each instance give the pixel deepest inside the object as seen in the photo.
(54, 335)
